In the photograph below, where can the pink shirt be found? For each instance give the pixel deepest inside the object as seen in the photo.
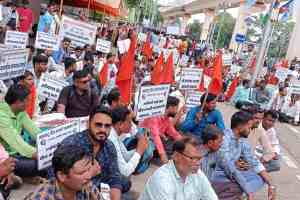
(3, 154)
(159, 126)
(26, 19)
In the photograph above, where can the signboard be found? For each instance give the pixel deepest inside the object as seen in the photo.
(239, 38)
(193, 99)
(123, 45)
(295, 87)
(103, 46)
(50, 88)
(184, 60)
(46, 41)
(142, 37)
(190, 78)
(173, 30)
(12, 63)
(206, 80)
(227, 59)
(152, 101)
(80, 33)
(282, 73)
(15, 39)
(48, 141)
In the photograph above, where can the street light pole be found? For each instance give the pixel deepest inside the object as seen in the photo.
(264, 45)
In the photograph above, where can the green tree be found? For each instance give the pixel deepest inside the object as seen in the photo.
(224, 30)
(280, 39)
(194, 29)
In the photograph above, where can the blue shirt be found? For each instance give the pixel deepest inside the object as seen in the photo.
(241, 94)
(60, 55)
(45, 22)
(232, 150)
(106, 157)
(190, 126)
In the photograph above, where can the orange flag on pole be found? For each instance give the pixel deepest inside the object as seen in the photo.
(216, 84)
(168, 72)
(103, 74)
(147, 50)
(156, 73)
(232, 88)
(125, 74)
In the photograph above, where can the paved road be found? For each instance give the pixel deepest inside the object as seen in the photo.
(287, 180)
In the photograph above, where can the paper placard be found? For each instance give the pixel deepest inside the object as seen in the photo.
(190, 78)
(103, 46)
(156, 49)
(206, 80)
(50, 87)
(295, 87)
(13, 63)
(173, 30)
(142, 37)
(227, 59)
(123, 45)
(15, 39)
(193, 99)
(184, 60)
(80, 33)
(152, 101)
(48, 141)
(282, 73)
(46, 41)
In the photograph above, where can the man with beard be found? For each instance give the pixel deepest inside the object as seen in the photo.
(238, 171)
(94, 141)
(162, 128)
(181, 177)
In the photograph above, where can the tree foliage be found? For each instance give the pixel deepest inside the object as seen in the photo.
(194, 29)
(224, 30)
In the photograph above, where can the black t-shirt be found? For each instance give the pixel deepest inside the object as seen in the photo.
(78, 105)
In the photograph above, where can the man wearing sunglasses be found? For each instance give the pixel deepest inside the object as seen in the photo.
(181, 177)
(94, 140)
(78, 99)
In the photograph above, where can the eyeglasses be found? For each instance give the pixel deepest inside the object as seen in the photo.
(101, 125)
(195, 159)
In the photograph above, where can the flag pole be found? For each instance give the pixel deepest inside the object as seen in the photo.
(89, 6)
(61, 7)
(264, 45)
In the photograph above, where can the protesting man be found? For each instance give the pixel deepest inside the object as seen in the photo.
(127, 160)
(94, 141)
(238, 170)
(13, 119)
(197, 119)
(79, 99)
(72, 180)
(181, 177)
(162, 127)
(212, 138)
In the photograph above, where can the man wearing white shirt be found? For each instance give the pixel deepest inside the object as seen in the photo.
(127, 160)
(67, 74)
(181, 178)
(268, 123)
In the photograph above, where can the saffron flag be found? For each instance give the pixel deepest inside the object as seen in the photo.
(216, 84)
(125, 74)
(168, 72)
(156, 73)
